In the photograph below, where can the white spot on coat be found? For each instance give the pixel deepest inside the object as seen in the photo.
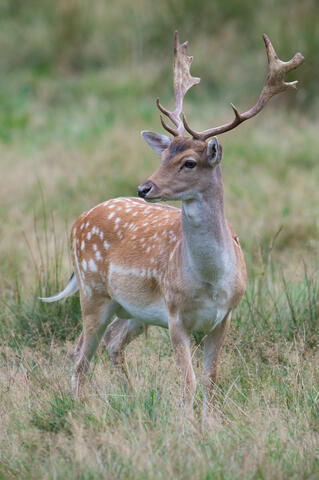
(122, 270)
(88, 290)
(92, 265)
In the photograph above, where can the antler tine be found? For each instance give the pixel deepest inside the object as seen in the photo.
(166, 112)
(183, 81)
(169, 129)
(274, 84)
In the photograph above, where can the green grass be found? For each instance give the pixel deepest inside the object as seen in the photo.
(74, 95)
(266, 403)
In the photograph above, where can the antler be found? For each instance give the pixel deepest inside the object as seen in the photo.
(183, 81)
(274, 83)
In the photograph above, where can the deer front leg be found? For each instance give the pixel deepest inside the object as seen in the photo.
(212, 346)
(181, 347)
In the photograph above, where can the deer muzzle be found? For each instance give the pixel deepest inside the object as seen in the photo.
(147, 190)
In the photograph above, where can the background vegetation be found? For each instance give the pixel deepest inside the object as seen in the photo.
(78, 81)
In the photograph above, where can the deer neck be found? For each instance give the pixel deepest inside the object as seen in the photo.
(207, 250)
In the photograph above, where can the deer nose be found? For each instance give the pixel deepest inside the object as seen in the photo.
(143, 189)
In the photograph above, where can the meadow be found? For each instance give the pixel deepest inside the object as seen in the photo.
(69, 139)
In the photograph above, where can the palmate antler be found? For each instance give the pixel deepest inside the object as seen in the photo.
(274, 83)
(183, 81)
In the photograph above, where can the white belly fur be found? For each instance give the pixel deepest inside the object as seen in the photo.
(152, 314)
(204, 318)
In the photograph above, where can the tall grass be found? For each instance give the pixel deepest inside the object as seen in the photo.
(265, 423)
(24, 319)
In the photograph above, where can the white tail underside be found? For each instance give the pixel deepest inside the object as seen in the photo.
(70, 289)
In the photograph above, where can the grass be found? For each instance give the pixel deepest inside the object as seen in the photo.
(266, 403)
(70, 139)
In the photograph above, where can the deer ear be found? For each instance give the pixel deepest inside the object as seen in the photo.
(214, 152)
(157, 142)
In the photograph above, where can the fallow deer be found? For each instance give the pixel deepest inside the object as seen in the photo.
(152, 264)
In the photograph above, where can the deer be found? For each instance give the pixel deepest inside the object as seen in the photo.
(138, 262)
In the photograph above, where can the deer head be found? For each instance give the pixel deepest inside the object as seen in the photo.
(187, 162)
(185, 168)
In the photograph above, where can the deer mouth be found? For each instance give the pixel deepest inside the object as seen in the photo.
(153, 199)
(147, 190)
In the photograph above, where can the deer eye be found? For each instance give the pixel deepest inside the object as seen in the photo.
(190, 164)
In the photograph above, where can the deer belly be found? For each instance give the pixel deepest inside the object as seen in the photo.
(136, 296)
(150, 314)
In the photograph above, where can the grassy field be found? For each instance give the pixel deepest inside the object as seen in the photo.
(70, 140)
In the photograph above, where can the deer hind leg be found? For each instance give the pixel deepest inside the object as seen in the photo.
(118, 335)
(212, 346)
(94, 324)
(181, 346)
(78, 347)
